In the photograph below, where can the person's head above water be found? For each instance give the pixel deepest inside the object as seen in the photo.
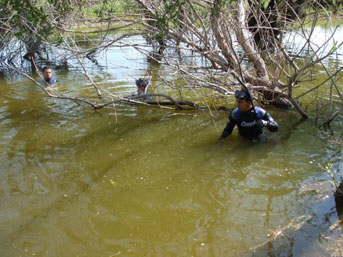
(141, 85)
(47, 73)
(243, 100)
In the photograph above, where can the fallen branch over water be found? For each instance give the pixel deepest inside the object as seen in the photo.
(146, 100)
(327, 122)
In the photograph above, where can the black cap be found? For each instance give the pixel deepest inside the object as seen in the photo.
(242, 95)
(141, 82)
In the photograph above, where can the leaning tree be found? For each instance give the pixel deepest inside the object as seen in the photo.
(242, 39)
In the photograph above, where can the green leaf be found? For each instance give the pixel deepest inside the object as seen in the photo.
(265, 3)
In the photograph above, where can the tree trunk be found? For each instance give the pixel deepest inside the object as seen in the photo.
(339, 200)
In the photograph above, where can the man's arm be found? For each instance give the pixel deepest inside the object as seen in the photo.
(268, 122)
(228, 129)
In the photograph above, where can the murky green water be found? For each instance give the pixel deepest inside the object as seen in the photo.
(137, 181)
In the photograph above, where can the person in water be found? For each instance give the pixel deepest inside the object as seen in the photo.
(48, 78)
(142, 86)
(249, 119)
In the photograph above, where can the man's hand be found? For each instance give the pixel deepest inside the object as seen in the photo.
(261, 123)
(220, 141)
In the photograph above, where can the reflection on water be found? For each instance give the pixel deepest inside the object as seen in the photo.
(151, 182)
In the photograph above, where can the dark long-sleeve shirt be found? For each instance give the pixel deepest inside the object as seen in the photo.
(250, 124)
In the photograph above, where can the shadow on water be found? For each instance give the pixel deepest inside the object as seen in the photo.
(301, 235)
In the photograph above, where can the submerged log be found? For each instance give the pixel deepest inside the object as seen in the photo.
(146, 99)
(274, 245)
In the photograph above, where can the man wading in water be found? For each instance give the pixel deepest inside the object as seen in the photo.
(249, 119)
